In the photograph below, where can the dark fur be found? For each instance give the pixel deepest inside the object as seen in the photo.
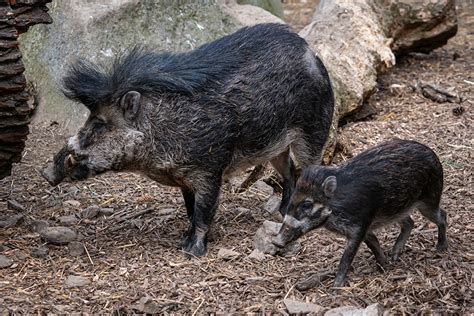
(379, 186)
(239, 101)
(149, 72)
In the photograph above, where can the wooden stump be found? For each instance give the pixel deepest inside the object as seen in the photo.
(16, 104)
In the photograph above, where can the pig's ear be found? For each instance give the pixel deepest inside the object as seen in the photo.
(329, 186)
(130, 104)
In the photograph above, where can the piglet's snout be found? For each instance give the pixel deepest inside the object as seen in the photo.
(280, 240)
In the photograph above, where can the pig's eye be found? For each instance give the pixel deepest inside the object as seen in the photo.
(306, 205)
(98, 126)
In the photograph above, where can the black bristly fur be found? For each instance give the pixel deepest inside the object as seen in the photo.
(199, 116)
(379, 186)
(149, 72)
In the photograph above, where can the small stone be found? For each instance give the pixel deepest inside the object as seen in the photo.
(90, 212)
(257, 255)
(273, 204)
(76, 248)
(15, 206)
(371, 310)
(68, 220)
(271, 228)
(5, 262)
(148, 306)
(72, 203)
(38, 225)
(273, 207)
(297, 307)
(263, 241)
(374, 310)
(40, 252)
(58, 235)
(20, 255)
(76, 281)
(10, 221)
(262, 189)
(344, 311)
(106, 211)
(227, 254)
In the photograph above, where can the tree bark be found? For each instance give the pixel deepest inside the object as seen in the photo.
(16, 104)
(358, 40)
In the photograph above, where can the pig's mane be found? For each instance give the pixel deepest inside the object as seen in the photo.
(144, 71)
(149, 72)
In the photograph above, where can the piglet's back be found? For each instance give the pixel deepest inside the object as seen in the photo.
(393, 175)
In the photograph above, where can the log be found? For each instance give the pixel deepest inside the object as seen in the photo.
(358, 40)
(15, 109)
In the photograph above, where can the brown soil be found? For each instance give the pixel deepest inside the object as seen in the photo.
(141, 258)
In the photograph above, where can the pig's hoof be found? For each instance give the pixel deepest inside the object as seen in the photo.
(394, 256)
(339, 282)
(442, 247)
(194, 248)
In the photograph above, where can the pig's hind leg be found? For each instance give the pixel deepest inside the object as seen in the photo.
(189, 201)
(438, 216)
(286, 168)
(373, 243)
(406, 225)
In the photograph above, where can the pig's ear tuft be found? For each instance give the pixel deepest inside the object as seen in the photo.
(130, 104)
(329, 186)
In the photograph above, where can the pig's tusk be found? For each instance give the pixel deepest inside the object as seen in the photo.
(71, 161)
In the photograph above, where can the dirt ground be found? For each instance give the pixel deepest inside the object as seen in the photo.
(138, 258)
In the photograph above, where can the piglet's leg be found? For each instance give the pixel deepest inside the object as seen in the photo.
(206, 198)
(406, 227)
(373, 243)
(352, 246)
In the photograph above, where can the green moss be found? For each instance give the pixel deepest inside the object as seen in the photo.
(275, 7)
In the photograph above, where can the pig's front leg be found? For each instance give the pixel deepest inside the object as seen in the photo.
(206, 197)
(352, 246)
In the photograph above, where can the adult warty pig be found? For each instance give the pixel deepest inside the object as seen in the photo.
(379, 186)
(189, 119)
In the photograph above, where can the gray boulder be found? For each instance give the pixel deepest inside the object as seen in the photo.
(98, 30)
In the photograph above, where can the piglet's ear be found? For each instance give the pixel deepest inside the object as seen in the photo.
(329, 186)
(130, 104)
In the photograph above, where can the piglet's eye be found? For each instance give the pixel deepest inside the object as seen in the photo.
(99, 125)
(305, 205)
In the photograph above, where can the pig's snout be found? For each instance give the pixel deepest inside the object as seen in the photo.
(284, 236)
(51, 175)
(278, 241)
(56, 171)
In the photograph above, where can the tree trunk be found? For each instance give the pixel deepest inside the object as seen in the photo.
(358, 40)
(16, 105)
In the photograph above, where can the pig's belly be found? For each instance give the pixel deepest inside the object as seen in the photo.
(242, 161)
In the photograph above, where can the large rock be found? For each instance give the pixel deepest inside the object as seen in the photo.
(98, 30)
